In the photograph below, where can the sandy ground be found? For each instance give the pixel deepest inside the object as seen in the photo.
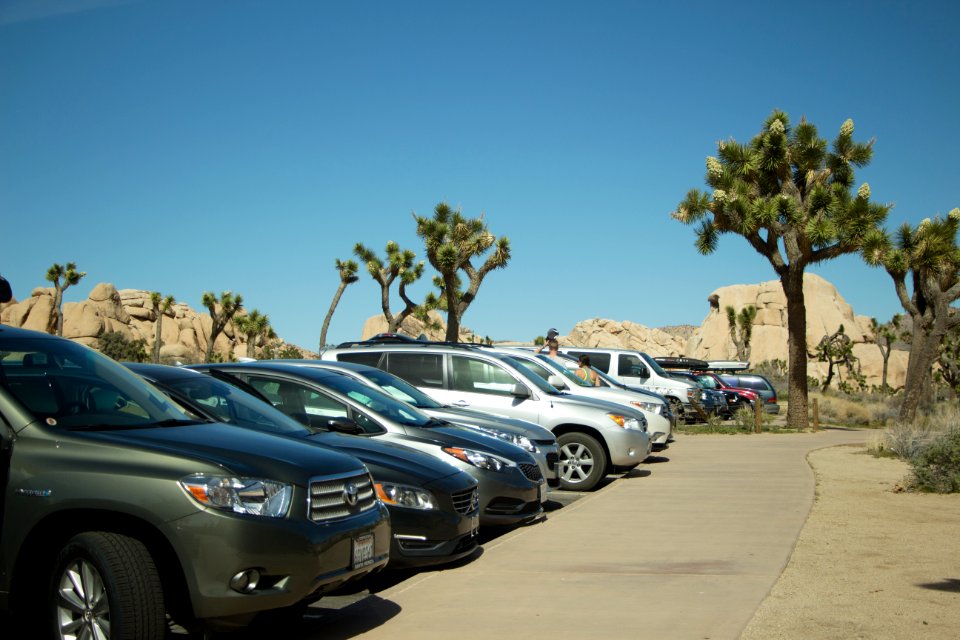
(870, 562)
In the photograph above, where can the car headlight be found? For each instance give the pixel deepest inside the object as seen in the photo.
(402, 495)
(250, 496)
(477, 459)
(639, 424)
(691, 394)
(513, 438)
(652, 407)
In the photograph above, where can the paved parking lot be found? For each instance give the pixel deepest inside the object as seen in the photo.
(685, 547)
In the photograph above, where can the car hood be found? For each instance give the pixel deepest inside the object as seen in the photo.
(451, 435)
(470, 417)
(239, 451)
(388, 461)
(596, 404)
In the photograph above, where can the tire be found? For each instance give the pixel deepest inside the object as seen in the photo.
(106, 583)
(583, 462)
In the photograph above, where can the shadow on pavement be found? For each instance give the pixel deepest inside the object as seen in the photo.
(947, 584)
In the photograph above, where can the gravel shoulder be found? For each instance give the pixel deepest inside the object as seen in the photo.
(870, 562)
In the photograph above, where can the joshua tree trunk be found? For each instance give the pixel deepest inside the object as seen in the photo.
(156, 340)
(792, 283)
(333, 307)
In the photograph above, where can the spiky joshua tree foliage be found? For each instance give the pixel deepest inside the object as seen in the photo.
(926, 256)
(790, 197)
(62, 277)
(741, 329)
(256, 327)
(221, 313)
(453, 243)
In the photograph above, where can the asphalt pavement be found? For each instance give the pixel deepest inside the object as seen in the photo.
(684, 547)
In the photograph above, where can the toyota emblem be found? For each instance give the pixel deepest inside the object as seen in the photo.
(350, 494)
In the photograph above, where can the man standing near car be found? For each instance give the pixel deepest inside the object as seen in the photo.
(551, 344)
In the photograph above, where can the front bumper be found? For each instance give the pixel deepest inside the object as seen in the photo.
(509, 497)
(627, 446)
(296, 559)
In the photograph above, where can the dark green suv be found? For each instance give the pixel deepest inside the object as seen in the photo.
(117, 510)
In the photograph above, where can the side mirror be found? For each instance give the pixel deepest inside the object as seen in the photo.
(642, 371)
(520, 391)
(343, 425)
(557, 381)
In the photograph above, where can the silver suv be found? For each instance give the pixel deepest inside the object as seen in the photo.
(595, 437)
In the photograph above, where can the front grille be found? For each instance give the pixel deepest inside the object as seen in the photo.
(465, 502)
(531, 472)
(330, 498)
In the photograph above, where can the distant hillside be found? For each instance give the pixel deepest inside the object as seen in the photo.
(684, 331)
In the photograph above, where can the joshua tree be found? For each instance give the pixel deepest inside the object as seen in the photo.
(160, 307)
(221, 312)
(789, 197)
(70, 277)
(256, 327)
(399, 264)
(884, 336)
(836, 349)
(348, 275)
(741, 329)
(929, 257)
(452, 243)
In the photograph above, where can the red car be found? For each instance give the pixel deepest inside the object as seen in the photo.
(713, 381)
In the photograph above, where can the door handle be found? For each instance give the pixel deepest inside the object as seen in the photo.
(460, 403)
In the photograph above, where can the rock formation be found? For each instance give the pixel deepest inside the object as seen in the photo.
(130, 313)
(413, 327)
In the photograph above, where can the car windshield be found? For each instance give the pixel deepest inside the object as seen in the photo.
(230, 404)
(530, 375)
(70, 386)
(708, 382)
(553, 367)
(379, 402)
(653, 364)
(400, 389)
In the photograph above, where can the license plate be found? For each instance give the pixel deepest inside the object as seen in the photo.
(542, 492)
(362, 551)
(474, 524)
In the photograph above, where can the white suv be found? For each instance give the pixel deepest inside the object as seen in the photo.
(595, 437)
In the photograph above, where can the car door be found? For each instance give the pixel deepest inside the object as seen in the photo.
(632, 370)
(486, 385)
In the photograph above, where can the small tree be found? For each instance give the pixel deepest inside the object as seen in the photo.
(741, 329)
(884, 336)
(221, 313)
(789, 197)
(160, 306)
(929, 256)
(836, 349)
(348, 275)
(256, 327)
(399, 264)
(70, 277)
(453, 242)
(117, 346)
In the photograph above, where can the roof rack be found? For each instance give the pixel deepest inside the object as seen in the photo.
(395, 338)
(681, 363)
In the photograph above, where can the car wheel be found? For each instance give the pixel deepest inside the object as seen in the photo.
(583, 462)
(106, 585)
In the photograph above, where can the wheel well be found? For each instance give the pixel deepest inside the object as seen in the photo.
(590, 431)
(34, 563)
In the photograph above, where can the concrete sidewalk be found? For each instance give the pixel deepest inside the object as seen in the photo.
(684, 548)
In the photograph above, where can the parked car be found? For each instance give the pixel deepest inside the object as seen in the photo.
(714, 401)
(758, 383)
(745, 398)
(637, 369)
(532, 438)
(559, 373)
(595, 437)
(512, 488)
(434, 507)
(119, 509)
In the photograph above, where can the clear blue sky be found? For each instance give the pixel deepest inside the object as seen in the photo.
(211, 145)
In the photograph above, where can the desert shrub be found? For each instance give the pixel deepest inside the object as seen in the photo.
(936, 468)
(117, 346)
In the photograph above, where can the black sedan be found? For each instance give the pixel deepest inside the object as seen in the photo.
(434, 507)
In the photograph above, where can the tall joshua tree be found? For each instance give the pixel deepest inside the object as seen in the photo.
(789, 197)
(70, 277)
(221, 313)
(348, 275)
(398, 265)
(160, 306)
(741, 329)
(928, 257)
(256, 327)
(453, 242)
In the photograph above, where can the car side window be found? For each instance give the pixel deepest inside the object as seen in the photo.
(360, 357)
(365, 422)
(419, 369)
(600, 361)
(478, 376)
(297, 401)
(628, 365)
